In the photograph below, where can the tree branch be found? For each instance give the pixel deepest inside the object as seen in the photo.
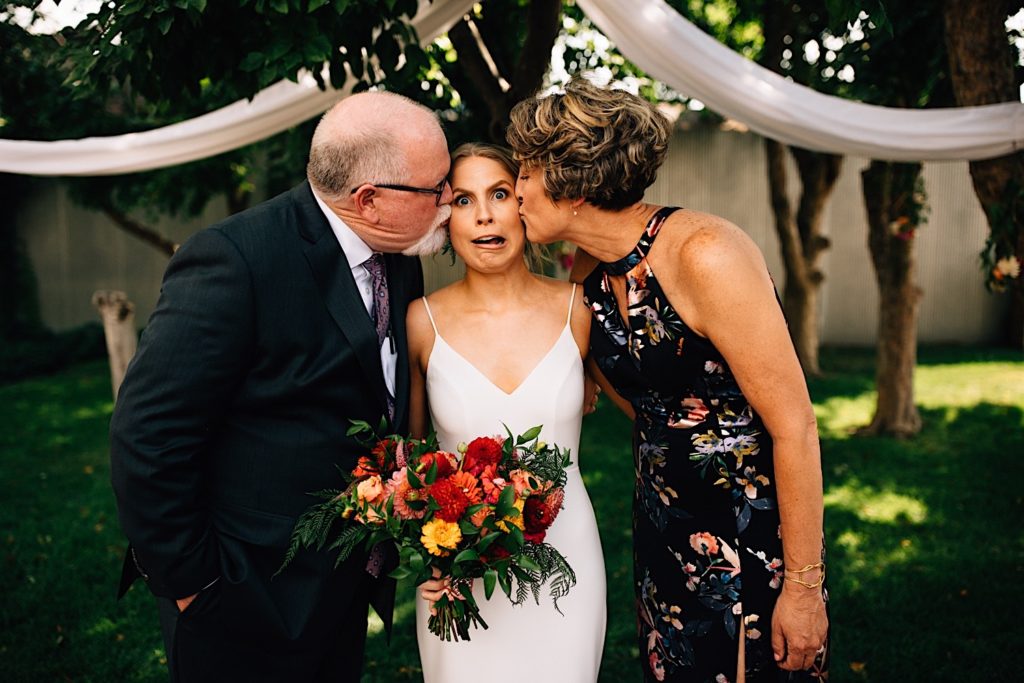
(472, 63)
(542, 29)
(148, 235)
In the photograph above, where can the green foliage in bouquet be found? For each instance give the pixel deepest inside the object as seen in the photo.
(482, 515)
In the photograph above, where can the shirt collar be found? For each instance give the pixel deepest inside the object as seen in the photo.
(355, 249)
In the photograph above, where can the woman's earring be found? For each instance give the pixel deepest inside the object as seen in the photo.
(574, 212)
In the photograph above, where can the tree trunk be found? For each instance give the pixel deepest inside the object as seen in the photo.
(801, 241)
(981, 65)
(893, 208)
(118, 315)
(19, 306)
(489, 78)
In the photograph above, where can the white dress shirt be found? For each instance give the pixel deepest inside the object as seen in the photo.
(356, 253)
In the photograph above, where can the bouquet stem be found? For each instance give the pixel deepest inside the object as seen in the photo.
(453, 617)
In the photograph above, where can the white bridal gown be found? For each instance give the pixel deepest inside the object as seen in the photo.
(528, 642)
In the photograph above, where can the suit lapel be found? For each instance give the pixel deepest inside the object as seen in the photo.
(338, 288)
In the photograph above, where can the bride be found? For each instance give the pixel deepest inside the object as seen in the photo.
(505, 346)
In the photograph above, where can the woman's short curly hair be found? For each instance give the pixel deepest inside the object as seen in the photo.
(598, 144)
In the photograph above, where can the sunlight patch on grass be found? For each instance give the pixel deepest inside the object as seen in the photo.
(101, 627)
(840, 415)
(968, 384)
(94, 411)
(881, 507)
(863, 561)
(849, 540)
(403, 611)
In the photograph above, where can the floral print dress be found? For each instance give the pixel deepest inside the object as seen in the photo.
(707, 548)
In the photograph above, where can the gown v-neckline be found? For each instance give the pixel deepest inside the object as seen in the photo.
(488, 380)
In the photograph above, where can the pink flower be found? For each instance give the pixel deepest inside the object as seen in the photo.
(704, 543)
(401, 456)
(524, 482)
(403, 493)
(656, 667)
(492, 484)
(370, 490)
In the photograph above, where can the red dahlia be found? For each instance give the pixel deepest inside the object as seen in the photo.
(537, 537)
(537, 515)
(445, 463)
(495, 552)
(450, 498)
(480, 453)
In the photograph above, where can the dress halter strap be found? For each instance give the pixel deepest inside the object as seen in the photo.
(643, 247)
(431, 316)
(572, 300)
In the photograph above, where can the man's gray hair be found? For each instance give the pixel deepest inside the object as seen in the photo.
(357, 142)
(340, 164)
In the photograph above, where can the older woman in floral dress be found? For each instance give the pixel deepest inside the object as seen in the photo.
(689, 340)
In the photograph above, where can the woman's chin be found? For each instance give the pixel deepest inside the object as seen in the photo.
(535, 238)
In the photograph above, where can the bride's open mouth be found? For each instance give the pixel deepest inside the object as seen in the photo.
(490, 241)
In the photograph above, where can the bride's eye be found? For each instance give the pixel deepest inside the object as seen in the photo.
(461, 200)
(501, 194)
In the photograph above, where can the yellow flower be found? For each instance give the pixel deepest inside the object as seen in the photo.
(440, 537)
(517, 520)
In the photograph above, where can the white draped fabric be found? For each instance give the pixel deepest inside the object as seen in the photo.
(651, 34)
(671, 49)
(272, 110)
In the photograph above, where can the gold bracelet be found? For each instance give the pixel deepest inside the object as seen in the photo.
(807, 568)
(805, 584)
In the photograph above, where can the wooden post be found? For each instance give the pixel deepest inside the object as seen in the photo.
(118, 315)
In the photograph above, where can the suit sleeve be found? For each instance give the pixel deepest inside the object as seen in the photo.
(193, 354)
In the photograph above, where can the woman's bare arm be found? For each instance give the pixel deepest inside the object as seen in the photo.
(421, 341)
(732, 301)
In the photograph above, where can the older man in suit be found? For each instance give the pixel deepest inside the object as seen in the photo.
(274, 328)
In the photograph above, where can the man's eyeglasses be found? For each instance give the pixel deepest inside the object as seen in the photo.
(438, 191)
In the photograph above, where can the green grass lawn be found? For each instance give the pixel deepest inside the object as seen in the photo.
(926, 557)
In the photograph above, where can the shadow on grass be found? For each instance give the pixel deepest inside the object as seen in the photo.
(926, 558)
(925, 552)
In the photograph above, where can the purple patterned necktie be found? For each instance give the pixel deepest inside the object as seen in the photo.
(381, 311)
(381, 314)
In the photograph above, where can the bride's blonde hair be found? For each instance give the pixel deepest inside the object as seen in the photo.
(536, 255)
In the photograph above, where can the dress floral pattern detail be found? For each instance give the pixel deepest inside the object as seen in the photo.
(704, 499)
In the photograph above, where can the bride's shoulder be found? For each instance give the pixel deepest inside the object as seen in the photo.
(422, 310)
(446, 297)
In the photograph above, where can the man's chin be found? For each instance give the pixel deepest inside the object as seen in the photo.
(431, 243)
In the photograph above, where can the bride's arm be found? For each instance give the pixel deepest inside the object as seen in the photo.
(421, 340)
(595, 374)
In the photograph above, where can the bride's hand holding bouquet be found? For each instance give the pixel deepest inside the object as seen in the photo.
(482, 515)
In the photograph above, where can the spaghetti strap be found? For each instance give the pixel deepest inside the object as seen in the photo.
(572, 300)
(431, 316)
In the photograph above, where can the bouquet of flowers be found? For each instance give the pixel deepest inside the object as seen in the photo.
(481, 514)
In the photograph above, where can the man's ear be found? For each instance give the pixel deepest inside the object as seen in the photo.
(365, 202)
